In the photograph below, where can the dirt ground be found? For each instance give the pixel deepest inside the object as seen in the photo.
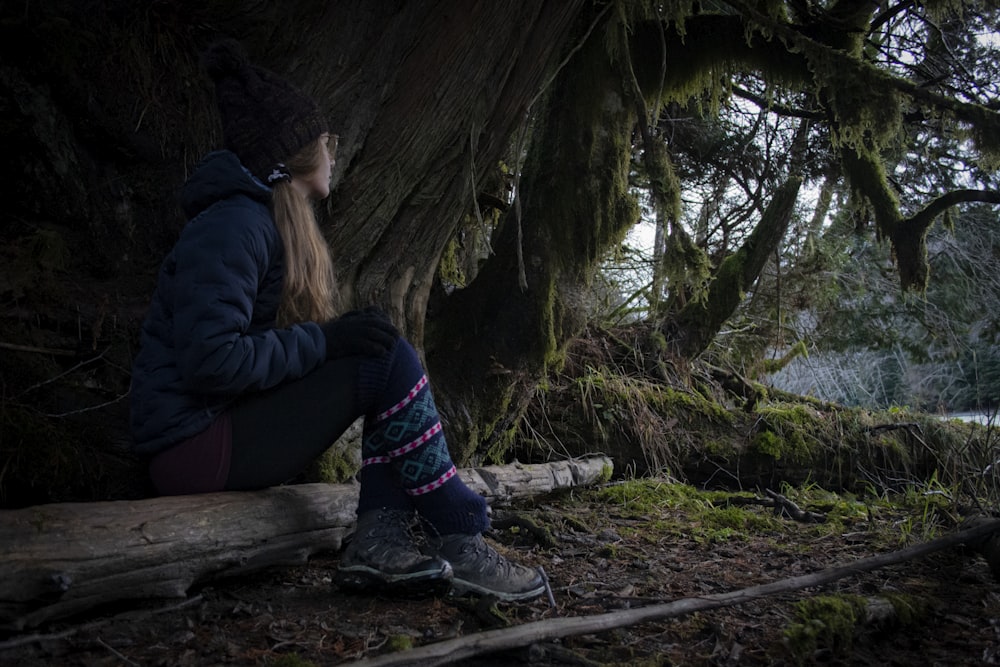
(602, 552)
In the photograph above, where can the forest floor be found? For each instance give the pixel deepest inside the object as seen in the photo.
(621, 546)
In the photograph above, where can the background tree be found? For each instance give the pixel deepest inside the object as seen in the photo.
(871, 345)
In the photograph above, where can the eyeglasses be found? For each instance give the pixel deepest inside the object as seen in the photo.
(331, 143)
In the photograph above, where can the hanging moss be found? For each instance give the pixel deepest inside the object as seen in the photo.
(940, 10)
(449, 271)
(985, 132)
(687, 265)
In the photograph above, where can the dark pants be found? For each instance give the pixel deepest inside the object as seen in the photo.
(266, 438)
(276, 434)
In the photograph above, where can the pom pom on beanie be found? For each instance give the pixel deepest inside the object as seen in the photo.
(265, 119)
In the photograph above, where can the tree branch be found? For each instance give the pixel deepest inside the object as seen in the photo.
(780, 109)
(937, 206)
(972, 113)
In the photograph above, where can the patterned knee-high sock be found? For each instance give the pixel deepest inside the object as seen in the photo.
(403, 446)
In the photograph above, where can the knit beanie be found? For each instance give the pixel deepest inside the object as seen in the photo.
(265, 119)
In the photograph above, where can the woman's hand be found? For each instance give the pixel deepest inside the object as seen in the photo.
(367, 332)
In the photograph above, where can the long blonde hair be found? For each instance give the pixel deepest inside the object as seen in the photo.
(309, 291)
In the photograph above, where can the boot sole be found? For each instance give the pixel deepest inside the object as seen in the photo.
(462, 587)
(362, 579)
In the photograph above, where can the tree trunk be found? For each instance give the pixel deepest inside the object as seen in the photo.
(699, 321)
(62, 559)
(458, 92)
(496, 338)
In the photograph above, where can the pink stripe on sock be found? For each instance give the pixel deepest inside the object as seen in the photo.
(436, 484)
(410, 446)
(374, 460)
(421, 383)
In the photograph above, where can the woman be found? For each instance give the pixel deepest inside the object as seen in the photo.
(245, 373)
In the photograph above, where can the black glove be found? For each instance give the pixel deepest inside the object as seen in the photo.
(367, 332)
(370, 310)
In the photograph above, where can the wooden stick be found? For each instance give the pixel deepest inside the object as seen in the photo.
(455, 650)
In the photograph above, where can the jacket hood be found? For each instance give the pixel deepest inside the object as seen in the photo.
(218, 176)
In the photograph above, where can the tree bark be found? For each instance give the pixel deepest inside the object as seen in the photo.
(458, 93)
(495, 339)
(61, 559)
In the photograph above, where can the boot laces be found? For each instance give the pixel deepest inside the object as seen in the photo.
(392, 529)
(484, 557)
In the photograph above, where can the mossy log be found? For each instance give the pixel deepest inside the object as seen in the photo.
(62, 559)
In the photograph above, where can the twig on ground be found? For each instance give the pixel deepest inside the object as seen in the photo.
(783, 505)
(540, 533)
(14, 642)
(548, 588)
(32, 638)
(118, 655)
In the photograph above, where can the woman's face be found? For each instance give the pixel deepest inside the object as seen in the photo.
(316, 184)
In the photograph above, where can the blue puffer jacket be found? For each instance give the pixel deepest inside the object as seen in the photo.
(210, 335)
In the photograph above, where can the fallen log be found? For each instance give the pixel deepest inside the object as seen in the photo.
(62, 559)
(462, 648)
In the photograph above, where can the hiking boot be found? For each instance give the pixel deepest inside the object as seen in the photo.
(383, 554)
(481, 570)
